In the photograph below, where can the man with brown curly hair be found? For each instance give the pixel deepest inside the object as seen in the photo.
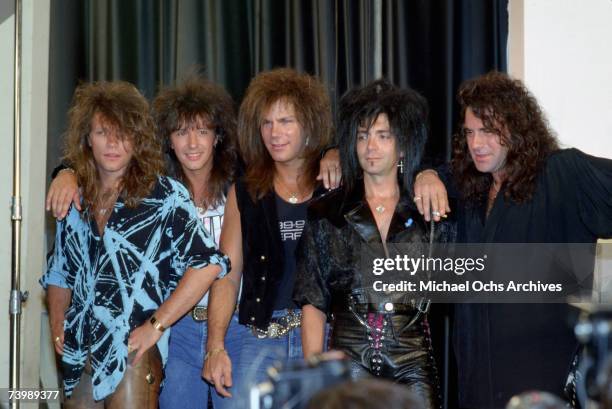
(134, 261)
(516, 186)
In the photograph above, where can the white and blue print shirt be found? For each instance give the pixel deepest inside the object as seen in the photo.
(120, 279)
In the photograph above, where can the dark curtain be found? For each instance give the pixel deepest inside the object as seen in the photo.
(430, 45)
(154, 43)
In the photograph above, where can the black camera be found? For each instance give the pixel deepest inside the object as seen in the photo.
(292, 386)
(594, 375)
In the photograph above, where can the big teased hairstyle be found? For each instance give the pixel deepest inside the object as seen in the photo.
(406, 110)
(505, 106)
(310, 100)
(122, 106)
(193, 99)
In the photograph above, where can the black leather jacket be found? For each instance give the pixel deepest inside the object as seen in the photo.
(339, 229)
(391, 344)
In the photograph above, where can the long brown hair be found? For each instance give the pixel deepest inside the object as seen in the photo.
(198, 97)
(505, 106)
(310, 100)
(121, 105)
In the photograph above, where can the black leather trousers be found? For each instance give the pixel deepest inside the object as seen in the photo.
(386, 348)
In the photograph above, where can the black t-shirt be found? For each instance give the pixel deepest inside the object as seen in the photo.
(291, 221)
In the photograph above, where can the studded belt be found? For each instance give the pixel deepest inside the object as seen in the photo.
(389, 307)
(416, 308)
(280, 326)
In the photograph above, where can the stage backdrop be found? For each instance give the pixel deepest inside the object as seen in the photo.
(431, 45)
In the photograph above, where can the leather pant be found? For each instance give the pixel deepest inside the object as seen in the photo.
(139, 387)
(403, 355)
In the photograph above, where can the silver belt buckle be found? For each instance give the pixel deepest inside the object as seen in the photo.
(199, 313)
(275, 330)
(281, 327)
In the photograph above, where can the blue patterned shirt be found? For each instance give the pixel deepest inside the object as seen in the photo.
(120, 279)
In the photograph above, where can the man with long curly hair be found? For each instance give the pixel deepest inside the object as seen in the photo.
(196, 122)
(284, 123)
(131, 263)
(516, 186)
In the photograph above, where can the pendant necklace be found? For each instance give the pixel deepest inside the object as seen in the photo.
(200, 206)
(293, 196)
(293, 199)
(380, 208)
(109, 199)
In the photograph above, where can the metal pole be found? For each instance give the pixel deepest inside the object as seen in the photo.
(16, 297)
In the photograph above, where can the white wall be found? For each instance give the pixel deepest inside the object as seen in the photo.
(561, 49)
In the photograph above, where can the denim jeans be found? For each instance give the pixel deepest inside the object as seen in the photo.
(184, 387)
(258, 355)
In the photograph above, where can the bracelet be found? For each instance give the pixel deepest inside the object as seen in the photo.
(67, 170)
(213, 352)
(421, 173)
(327, 149)
(156, 324)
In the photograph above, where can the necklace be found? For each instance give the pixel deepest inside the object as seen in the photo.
(201, 205)
(293, 199)
(293, 196)
(380, 207)
(108, 199)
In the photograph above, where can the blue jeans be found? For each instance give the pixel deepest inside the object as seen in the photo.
(258, 355)
(184, 387)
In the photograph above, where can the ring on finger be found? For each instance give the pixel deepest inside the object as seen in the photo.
(416, 198)
(130, 348)
(57, 339)
(435, 213)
